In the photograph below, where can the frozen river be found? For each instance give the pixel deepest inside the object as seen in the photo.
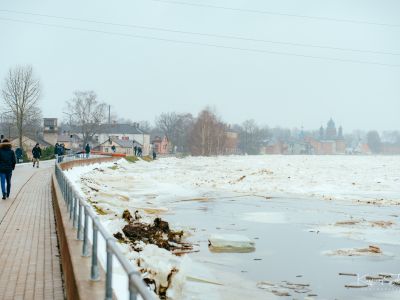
(291, 246)
(308, 216)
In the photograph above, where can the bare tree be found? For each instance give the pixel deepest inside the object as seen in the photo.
(252, 137)
(87, 113)
(176, 127)
(21, 94)
(184, 130)
(168, 124)
(208, 135)
(145, 126)
(374, 141)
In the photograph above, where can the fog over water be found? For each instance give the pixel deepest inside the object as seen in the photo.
(143, 77)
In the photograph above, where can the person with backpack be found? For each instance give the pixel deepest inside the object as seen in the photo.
(36, 153)
(7, 165)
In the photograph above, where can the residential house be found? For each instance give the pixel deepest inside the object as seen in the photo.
(121, 146)
(28, 143)
(232, 142)
(124, 132)
(70, 141)
(390, 149)
(161, 145)
(274, 147)
(362, 148)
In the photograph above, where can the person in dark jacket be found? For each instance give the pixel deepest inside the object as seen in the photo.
(7, 165)
(36, 153)
(18, 154)
(56, 149)
(60, 153)
(87, 150)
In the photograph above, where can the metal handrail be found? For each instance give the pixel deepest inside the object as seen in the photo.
(78, 208)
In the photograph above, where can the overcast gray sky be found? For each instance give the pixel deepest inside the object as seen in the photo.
(142, 77)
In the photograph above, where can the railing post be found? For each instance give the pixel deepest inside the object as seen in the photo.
(71, 202)
(79, 234)
(94, 274)
(75, 211)
(85, 246)
(63, 187)
(66, 191)
(109, 269)
(132, 287)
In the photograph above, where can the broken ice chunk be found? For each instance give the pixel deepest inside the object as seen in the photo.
(230, 243)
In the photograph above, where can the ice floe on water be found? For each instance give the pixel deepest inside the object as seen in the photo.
(230, 243)
(265, 217)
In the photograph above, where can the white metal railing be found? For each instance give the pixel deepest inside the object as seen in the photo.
(79, 209)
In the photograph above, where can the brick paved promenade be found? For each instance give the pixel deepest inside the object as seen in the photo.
(29, 257)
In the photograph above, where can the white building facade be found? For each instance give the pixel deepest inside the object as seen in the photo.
(125, 132)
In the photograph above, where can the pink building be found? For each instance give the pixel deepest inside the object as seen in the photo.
(161, 145)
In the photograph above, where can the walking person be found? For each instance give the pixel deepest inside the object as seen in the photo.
(19, 154)
(60, 153)
(36, 153)
(56, 146)
(154, 154)
(7, 165)
(87, 150)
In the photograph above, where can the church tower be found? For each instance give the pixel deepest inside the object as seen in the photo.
(331, 133)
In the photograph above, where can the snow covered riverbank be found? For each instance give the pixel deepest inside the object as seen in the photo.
(243, 194)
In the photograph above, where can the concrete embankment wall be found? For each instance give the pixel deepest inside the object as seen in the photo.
(84, 162)
(75, 267)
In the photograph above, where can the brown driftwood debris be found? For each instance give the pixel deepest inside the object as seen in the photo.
(157, 233)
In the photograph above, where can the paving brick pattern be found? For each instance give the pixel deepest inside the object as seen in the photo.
(29, 257)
